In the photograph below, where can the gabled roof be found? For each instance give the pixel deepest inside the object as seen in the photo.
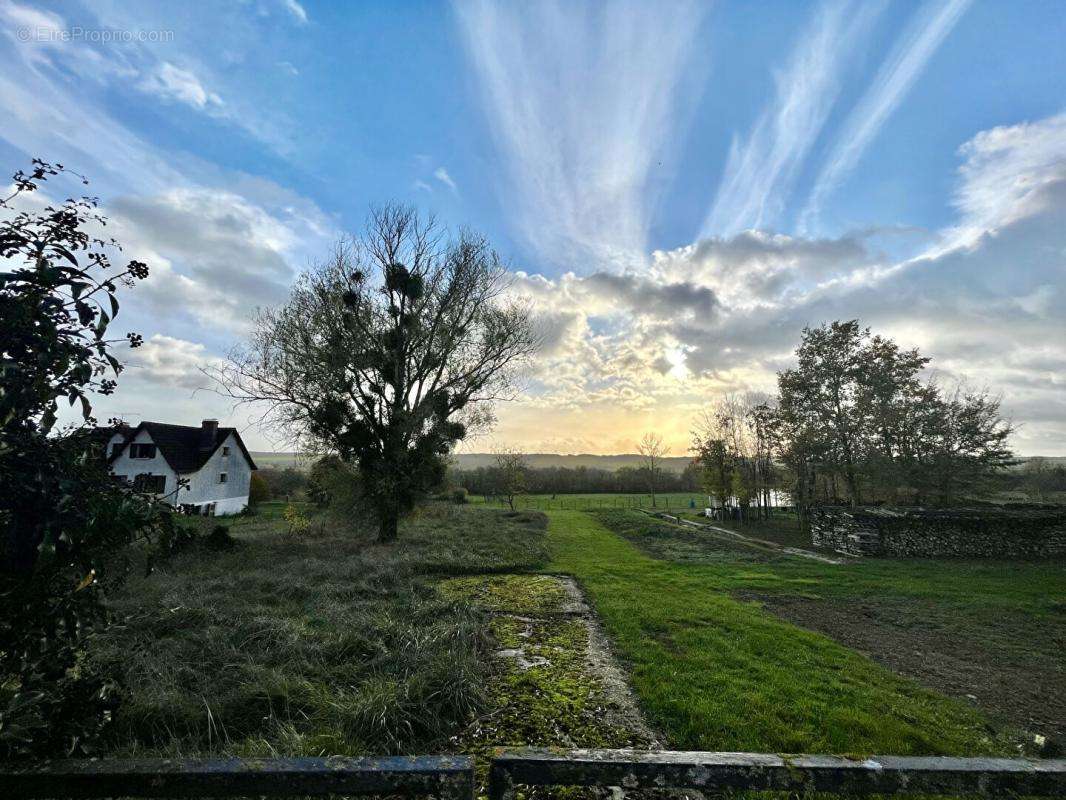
(185, 448)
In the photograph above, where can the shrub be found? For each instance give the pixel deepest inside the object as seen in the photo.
(297, 523)
(283, 482)
(219, 539)
(258, 490)
(459, 495)
(64, 523)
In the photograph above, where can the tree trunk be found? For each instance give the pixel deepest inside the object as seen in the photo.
(389, 525)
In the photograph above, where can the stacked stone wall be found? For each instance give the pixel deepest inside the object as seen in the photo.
(992, 532)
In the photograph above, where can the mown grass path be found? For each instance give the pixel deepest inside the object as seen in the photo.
(714, 673)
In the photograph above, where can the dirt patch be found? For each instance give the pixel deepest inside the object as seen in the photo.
(1013, 670)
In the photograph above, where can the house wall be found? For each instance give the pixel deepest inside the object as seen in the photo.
(230, 497)
(129, 468)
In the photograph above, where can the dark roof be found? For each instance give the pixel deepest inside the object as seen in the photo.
(101, 435)
(185, 448)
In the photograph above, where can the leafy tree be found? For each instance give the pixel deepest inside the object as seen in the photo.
(511, 468)
(258, 489)
(856, 417)
(652, 451)
(322, 481)
(388, 354)
(283, 482)
(965, 446)
(63, 521)
(717, 468)
(823, 395)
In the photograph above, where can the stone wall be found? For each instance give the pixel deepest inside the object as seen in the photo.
(993, 532)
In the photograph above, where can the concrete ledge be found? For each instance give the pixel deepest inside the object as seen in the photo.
(715, 772)
(442, 776)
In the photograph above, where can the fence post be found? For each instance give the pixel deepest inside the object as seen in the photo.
(501, 785)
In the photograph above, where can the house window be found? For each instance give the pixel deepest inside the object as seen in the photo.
(222, 477)
(209, 510)
(152, 484)
(225, 451)
(116, 448)
(141, 450)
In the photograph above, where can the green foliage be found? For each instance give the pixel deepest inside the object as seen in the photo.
(258, 489)
(63, 522)
(336, 485)
(459, 495)
(282, 482)
(857, 421)
(297, 523)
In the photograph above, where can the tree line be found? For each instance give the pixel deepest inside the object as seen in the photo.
(494, 480)
(857, 420)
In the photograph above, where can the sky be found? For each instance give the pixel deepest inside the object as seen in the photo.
(678, 188)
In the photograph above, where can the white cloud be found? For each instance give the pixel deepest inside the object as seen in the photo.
(760, 172)
(168, 361)
(582, 133)
(1006, 175)
(33, 19)
(215, 255)
(441, 174)
(988, 306)
(901, 69)
(174, 83)
(298, 12)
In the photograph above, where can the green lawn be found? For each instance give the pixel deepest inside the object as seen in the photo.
(587, 502)
(717, 673)
(783, 528)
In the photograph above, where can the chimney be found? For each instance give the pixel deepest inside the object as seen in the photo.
(208, 433)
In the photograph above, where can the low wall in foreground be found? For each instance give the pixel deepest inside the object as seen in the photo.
(1032, 533)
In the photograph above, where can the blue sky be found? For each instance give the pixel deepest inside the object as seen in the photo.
(679, 187)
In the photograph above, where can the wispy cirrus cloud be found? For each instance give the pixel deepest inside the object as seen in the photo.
(583, 102)
(298, 12)
(173, 83)
(441, 174)
(761, 169)
(632, 351)
(921, 39)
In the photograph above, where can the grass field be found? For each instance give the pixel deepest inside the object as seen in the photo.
(330, 643)
(322, 643)
(783, 528)
(591, 502)
(716, 670)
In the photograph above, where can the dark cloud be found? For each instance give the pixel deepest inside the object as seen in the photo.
(646, 297)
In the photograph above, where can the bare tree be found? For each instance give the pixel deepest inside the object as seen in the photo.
(388, 354)
(511, 466)
(652, 450)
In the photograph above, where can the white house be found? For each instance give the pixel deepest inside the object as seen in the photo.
(205, 470)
